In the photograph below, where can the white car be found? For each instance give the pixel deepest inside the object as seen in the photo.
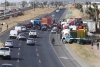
(23, 28)
(5, 52)
(9, 43)
(33, 33)
(30, 41)
(54, 30)
(57, 10)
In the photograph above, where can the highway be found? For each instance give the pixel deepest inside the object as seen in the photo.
(43, 54)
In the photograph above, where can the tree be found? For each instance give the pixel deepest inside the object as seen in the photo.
(7, 3)
(45, 3)
(24, 3)
(93, 12)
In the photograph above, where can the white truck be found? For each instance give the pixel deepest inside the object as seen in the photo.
(5, 52)
(18, 28)
(33, 33)
(91, 25)
(13, 33)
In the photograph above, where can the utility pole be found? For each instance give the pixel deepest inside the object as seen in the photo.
(5, 4)
(74, 2)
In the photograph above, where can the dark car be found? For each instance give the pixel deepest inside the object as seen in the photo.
(28, 25)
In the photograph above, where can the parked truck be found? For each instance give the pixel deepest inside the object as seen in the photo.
(5, 52)
(78, 36)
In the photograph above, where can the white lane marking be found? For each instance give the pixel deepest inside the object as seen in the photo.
(36, 49)
(18, 60)
(19, 48)
(18, 53)
(39, 61)
(37, 54)
(64, 57)
(55, 52)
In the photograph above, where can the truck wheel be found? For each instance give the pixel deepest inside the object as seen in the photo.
(64, 41)
(71, 41)
(9, 58)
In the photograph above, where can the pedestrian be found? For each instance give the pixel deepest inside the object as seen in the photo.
(97, 46)
(92, 44)
(7, 26)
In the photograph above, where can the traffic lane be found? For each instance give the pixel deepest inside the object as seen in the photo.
(4, 35)
(28, 55)
(14, 55)
(59, 14)
(63, 54)
(47, 56)
(63, 47)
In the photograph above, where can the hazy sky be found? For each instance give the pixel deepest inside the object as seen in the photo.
(48, 0)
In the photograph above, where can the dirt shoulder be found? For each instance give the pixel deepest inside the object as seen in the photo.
(27, 15)
(91, 56)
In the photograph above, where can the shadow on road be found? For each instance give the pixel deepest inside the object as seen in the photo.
(13, 58)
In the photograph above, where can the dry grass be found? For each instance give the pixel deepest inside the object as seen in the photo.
(91, 56)
(76, 13)
(1, 44)
(85, 52)
(29, 14)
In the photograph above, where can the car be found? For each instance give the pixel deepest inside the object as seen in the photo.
(57, 10)
(6, 65)
(5, 52)
(30, 41)
(54, 30)
(23, 28)
(9, 43)
(28, 25)
(21, 36)
(44, 28)
(33, 33)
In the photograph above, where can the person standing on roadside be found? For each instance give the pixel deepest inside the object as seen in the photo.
(7, 26)
(98, 46)
(92, 44)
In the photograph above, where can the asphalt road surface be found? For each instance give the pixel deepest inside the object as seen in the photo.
(43, 54)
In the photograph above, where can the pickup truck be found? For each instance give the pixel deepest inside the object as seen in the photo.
(5, 52)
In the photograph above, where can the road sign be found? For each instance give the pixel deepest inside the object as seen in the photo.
(69, 12)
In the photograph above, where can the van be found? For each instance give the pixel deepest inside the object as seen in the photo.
(18, 29)
(13, 33)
